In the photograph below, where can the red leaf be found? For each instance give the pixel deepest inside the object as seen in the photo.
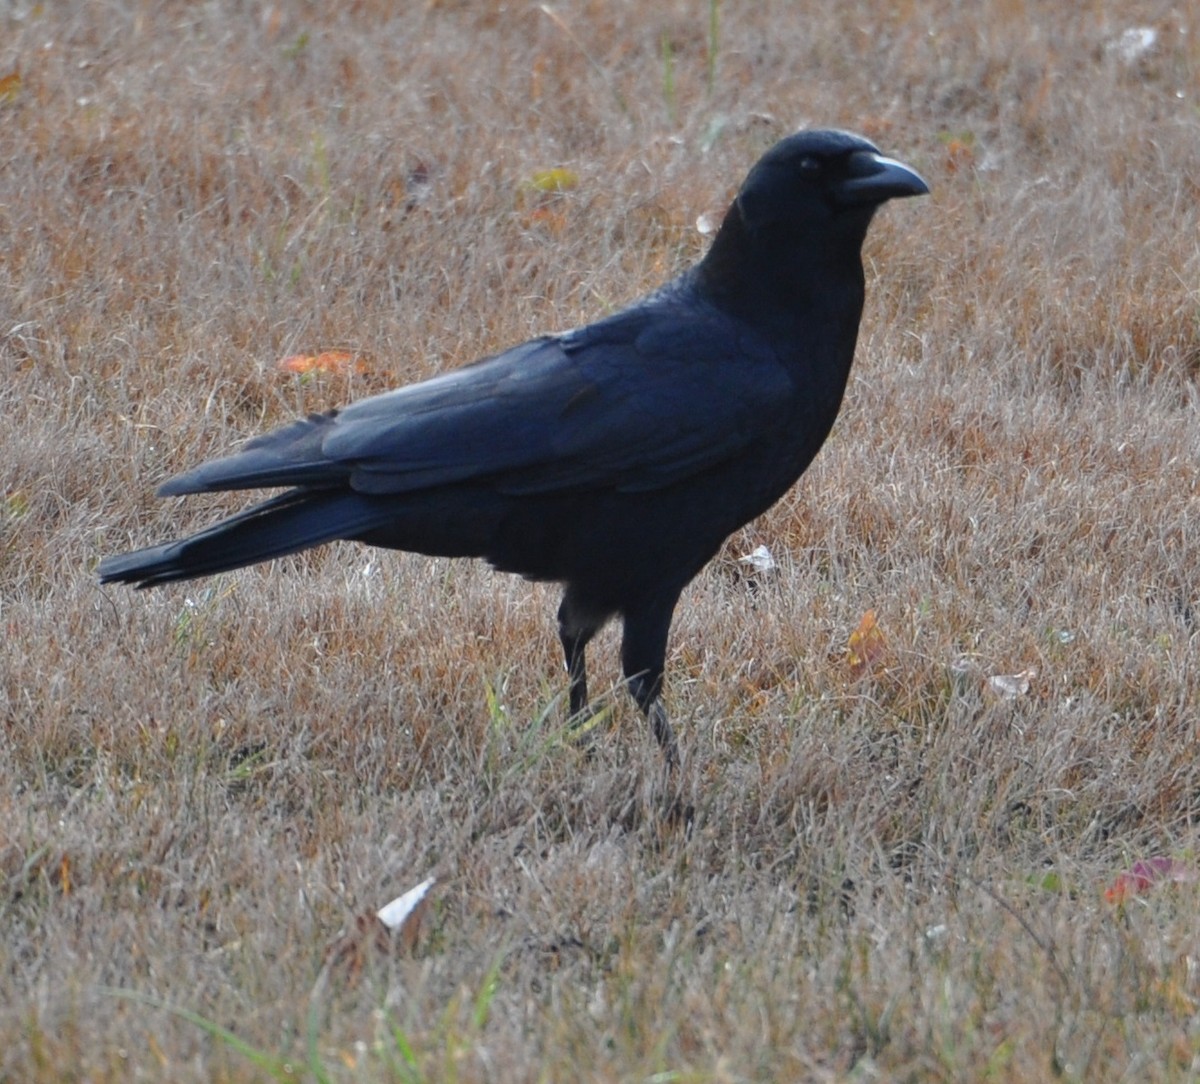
(1145, 874)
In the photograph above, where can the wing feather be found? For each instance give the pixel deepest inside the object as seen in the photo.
(636, 402)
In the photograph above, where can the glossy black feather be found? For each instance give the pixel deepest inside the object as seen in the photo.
(614, 458)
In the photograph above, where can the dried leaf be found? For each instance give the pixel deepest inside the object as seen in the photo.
(553, 180)
(759, 561)
(375, 934)
(960, 149)
(1145, 874)
(14, 505)
(403, 908)
(334, 362)
(1010, 686)
(1132, 44)
(10, 87)
(1050, 881)
(867, 647)
(959, 155)
(543, 200)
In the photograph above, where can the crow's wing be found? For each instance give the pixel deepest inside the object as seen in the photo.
(635, 402)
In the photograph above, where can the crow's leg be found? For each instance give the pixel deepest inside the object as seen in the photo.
(576, 628)
(643, 659)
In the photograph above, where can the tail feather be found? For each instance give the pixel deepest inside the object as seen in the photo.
(291, 456)
(293, 521)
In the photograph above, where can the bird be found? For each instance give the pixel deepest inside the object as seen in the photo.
(613, 459)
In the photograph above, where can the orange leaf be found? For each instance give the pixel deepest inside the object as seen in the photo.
(867, 646)
(10, 87)
(1144, 874)
(336, 362)
(959, 155)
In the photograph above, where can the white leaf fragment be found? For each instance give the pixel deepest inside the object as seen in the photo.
(1010, 686)
(393, 915)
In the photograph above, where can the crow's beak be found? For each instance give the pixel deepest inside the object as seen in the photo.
(872, 178)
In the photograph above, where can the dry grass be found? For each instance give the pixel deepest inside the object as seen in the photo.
(200, 786)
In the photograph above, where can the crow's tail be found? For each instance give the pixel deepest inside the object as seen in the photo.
(293, 521)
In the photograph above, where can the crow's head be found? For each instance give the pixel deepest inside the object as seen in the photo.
(822, 176)
(792, 239)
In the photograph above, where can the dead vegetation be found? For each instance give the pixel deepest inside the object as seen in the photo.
(897, 871)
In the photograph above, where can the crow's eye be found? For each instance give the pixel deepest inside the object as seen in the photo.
(809, 164)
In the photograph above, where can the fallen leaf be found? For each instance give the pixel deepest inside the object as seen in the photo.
(10, 87)
(959, 155)
(543, 200)
(1010, 686)
(867, 646)
(553, 180)
(334, 362)
(1145, 874)
(960, 149)
(1050, 881)
(759, 560)
(14, 506)
(1132, 44)
(403, 908)
(375, 934)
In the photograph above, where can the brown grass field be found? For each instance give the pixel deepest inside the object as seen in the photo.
(900, 869)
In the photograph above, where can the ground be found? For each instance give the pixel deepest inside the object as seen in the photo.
(926, 752)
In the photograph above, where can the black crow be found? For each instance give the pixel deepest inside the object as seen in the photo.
(615, 458)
